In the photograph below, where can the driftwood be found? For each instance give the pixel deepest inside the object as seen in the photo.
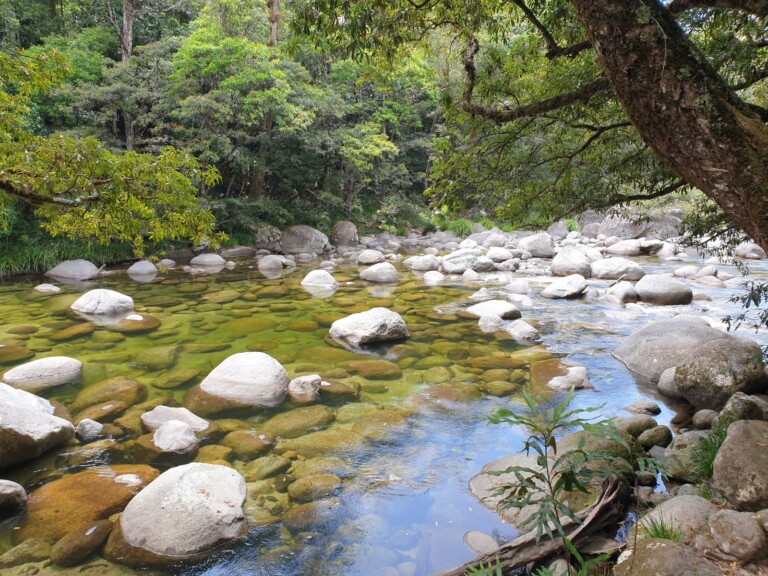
(609, 510)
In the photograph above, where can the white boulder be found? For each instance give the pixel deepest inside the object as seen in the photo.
(45, 373)
(103, 302)
(370, 327)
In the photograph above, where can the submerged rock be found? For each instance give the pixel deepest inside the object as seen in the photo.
(184, 514)
(64, 505)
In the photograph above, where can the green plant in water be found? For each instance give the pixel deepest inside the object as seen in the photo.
(557, 474)
(487, 570)
(703, 456)
(660, 529)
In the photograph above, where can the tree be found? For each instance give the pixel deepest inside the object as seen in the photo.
(654, 86)
(81, 190)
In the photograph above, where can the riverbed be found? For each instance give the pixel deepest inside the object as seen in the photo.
(420, 433)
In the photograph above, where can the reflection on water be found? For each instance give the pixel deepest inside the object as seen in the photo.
(417, 437)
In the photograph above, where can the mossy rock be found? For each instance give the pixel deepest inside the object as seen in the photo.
(265, 467)
(105, 412)
(246, 326)
(79, 544)
(375, 369)
(321, 443)
(73, 332)
(314, 487)
(72, 502)
(157, 357)
(312, 515)
(119, 388)
(247, 444)
(175, 379)
(10, 353)
(298, 421)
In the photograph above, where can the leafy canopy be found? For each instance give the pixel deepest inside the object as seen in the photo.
(83, 191)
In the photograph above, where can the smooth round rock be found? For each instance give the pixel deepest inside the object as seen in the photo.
(184, 514)
(44, 373)
(103, 302)
(79, 544)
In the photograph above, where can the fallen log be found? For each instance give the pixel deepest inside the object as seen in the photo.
(608, 511)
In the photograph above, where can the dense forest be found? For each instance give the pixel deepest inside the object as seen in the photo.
(136, 123)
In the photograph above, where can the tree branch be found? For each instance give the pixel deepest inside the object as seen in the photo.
(756, 7)
(25, 193)
(505, 114)
(667, 190)
(553, 50)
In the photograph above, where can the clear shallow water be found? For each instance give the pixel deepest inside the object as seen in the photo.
(404, 506)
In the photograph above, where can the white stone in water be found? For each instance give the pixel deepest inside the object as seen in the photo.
(470, 275)
(45, 373)
(522, 332)
(433, 278)
(320, 278)
(208, 261)
(175, 436)
(47, 289)
(136, 317)
(129, 480)
(575, 379)
(159, 415)
(103, 302)
(305, 389)
(501, 308)
(490, 323)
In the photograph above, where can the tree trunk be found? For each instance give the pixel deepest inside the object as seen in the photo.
(259, 175)
(126, 31)
(274, 20)
(681, 107)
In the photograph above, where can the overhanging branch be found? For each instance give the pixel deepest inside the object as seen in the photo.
(504, 114)
(553, 49)
(756, 7)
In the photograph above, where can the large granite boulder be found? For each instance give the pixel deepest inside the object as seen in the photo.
(45, 373)
(739, 472)
(344, 233)
(690, 342)
(615, 268)
(103, 302)
(74, 270)
(539, 245)
(718, 370)
(460, 261)
(572, 286)
(28, 427)
(369, 256)
(423, 263)
(371, 327)
(320, 279)
(688, 515)
(302, 239)
(663, 290)
(621, 227)
(656, 557)
(381, 273)
(185, 514)
(574, 260)
(244, 380)
(739, 534)
(208, 260)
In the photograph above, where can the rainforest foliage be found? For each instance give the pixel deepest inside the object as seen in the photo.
(148, 121)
